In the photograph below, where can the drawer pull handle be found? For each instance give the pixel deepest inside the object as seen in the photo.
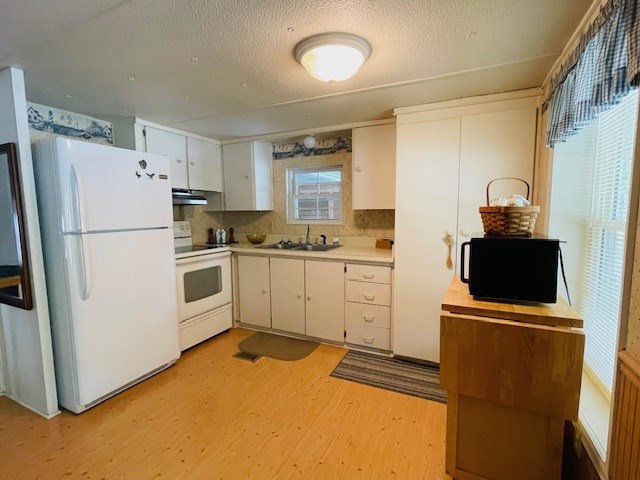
(369, 297)
(368, 339)
(368, 276)
(368, 318)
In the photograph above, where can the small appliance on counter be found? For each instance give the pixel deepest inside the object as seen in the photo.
(511, 268)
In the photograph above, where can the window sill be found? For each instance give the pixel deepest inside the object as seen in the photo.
(593, 420)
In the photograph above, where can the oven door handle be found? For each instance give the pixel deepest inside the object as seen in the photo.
(202, 258)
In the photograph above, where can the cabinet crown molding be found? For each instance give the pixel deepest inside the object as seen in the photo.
(532, 94)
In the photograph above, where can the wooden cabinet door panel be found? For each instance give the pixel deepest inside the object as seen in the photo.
(374, 167)
(205, 168)
(493, 145)
(426, 208)
(287, 295)
(174, 146)
(325, 299)
(254, 290)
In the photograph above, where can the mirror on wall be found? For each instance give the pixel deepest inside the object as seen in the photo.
(15, 284)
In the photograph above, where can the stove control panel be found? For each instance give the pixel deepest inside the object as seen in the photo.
(181, 229)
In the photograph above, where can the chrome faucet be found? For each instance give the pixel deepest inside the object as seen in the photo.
(308, 238)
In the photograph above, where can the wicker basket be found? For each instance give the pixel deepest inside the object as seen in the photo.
(509, 220)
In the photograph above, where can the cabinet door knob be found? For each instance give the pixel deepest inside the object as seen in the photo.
(358, 169)
(264, 291)
(309, 298)
(247, 177)
(299, 296)
(178, 160)
(192, 163)
(464, 233)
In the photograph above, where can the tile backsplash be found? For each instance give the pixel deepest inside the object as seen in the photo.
(357, 223)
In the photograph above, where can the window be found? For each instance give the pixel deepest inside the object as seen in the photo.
(589, 209)
(314, 195)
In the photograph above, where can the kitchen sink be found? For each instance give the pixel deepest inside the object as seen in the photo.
(315, 247)
(282, 246)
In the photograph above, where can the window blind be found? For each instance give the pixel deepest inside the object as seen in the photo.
(589, 209)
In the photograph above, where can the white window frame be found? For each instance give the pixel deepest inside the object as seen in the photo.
(290, 175)
(595, 397)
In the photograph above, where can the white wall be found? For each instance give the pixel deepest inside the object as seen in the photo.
(26, 347)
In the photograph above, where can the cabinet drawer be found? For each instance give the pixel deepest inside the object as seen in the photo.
(368, 336)
(364, 314)
(368, 273)
(374, 293)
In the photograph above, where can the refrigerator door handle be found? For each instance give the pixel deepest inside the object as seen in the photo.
(84, 272)
(78, 195)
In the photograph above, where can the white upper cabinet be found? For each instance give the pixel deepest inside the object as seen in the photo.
(374, 167)
(196, 162)
(205, 165)
(248, 176)
(174, 146)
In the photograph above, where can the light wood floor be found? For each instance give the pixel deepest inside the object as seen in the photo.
(212, 416)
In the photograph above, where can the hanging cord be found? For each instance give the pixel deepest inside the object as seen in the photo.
(564, 278)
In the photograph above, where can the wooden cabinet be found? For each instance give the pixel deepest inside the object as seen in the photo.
(446, 155)
(368, 306)
(512, 378)
(287, 294)
(374, 167)
(248, 176)
(324, 282)
(175, 147)
(254, 290)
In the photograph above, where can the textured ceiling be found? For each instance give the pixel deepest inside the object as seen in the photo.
(246, 81)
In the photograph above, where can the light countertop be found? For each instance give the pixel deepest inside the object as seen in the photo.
(346, 253)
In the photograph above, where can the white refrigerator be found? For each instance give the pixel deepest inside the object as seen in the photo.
(106, 221)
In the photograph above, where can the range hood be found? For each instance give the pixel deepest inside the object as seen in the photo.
(188, 197)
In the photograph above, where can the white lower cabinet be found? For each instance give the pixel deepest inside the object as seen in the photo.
(368, 306)
(254, 290)
(287, 295)
(294, 295)
(324, 282)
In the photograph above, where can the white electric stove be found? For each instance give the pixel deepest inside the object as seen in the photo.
(203, 274)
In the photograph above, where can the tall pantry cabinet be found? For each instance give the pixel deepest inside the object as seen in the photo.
(446, 155)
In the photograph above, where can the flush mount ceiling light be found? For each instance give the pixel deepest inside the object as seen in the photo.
(332, 57)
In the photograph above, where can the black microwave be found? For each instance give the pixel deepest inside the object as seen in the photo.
(519, 269)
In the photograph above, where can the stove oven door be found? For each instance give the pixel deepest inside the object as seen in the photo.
(204, 283)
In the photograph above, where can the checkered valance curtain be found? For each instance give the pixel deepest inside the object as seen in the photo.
(599, 72)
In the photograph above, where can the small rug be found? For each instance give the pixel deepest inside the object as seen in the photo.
(392, 374)
(277, 346)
